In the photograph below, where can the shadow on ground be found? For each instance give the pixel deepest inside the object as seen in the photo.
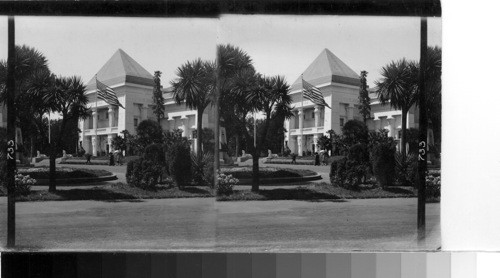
(296, 194)
(195, 190)
(93, 194)
(398, 190)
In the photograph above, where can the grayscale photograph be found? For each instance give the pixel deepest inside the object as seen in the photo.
(238, 133)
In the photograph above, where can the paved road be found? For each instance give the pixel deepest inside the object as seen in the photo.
(202, 224)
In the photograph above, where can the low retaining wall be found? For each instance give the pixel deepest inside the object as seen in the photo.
(288, 161)
(81, 162)
(281, 180)
(78, 180)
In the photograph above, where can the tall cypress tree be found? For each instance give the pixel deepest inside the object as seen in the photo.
(364, 98)
(158, 100)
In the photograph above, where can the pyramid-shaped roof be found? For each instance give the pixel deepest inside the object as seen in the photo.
(121, 68)
(327, 68)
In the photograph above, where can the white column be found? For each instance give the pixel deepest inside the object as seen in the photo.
(315, 142)
(110, 141)
(350, 111)
(299, 145)
(317, 115)
(82, 134)
(391, 121)
(301, 126)
(292, 143)
(111, 115)
(86, 143)
(184, 120)
(94, 145)
(301, 119)
(410, 121)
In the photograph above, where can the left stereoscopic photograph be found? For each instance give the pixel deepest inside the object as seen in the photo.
(233, 134)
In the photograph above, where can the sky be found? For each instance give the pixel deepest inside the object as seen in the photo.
(287, 45)
(278, 45)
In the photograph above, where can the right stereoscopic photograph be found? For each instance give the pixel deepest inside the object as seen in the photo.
(242, 133)
(322, 133)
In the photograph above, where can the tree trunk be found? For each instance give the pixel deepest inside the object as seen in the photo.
(52, 168)
(403, 132)
(237, 143)
(199, 132)
(255, 171)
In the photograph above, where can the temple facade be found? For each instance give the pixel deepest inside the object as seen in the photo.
(339, 85)
(133, 86)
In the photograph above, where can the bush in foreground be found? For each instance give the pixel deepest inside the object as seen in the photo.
(203, 171)
(433, 185)
(143, 173)
(347, 173)
(225, 184)
(383, 163)
(23, 184)
(179, 163)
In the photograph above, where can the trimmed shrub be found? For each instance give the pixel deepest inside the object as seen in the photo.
(143, 173)
(346, 173)
(384, 163)
(179, 163)
(225, 184)
(155, 153)
(338, 172)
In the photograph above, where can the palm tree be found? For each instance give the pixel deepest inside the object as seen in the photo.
(31, 70)
(67, 98)
(433, 89)
(260, 94)
(195, 87)
(399, 87)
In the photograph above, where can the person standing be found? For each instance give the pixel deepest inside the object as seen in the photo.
(316, 159)
(111, 159)
(88, 156)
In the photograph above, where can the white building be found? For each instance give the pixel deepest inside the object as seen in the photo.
(385, 117)
(339, 85)
(133, 86)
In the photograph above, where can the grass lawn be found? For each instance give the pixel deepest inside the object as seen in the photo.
(322, 191)
(119, 191)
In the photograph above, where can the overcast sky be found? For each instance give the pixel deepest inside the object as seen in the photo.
(283, 45)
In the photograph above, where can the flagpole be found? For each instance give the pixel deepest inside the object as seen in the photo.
(302, 92)
(95, 127)
(301, 115)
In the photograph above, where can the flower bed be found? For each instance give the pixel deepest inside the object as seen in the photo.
(266, 172)
(40, 173)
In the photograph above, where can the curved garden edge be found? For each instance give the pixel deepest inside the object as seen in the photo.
(78, 180)
(264, 181)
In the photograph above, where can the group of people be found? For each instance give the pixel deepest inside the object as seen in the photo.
(324, 158)
(115, 158)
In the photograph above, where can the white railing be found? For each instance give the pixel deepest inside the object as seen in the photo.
(307, 130)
